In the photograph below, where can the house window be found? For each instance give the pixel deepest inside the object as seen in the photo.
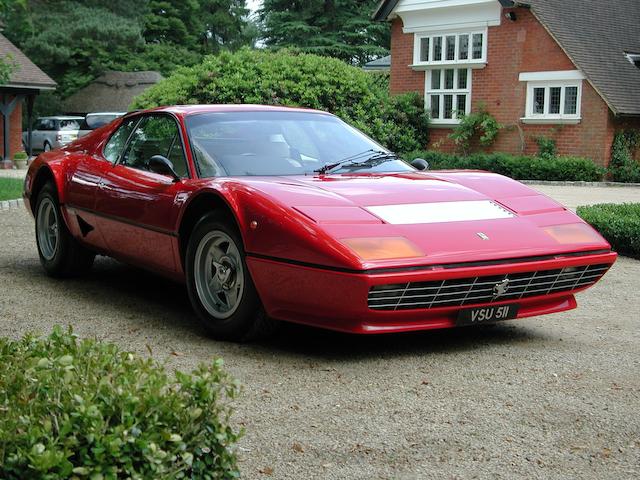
(553, 97)
(451, 47)
(448, 94)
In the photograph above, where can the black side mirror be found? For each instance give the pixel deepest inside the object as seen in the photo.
(420, 164)
(162, 166)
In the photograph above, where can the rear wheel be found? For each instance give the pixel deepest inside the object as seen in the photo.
(219, 283)
(46, 147)
(60, 254)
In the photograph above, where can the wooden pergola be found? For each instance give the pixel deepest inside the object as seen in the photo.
(25, 82)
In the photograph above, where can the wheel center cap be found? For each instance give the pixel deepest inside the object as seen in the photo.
(224, 272)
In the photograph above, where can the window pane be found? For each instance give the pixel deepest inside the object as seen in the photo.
(571, 100)
(435, 106)
(477, 46)
(554, 100)
(115, 145)
(462, 78)
(155, 135)
(435, 79)
(463, 48)
(437, 49)
(448, 106)
(451, 48)
(538, 100)
(448, 79)
(461, 107)
(424, 49)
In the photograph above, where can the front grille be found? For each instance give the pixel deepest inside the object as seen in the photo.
(472, 290)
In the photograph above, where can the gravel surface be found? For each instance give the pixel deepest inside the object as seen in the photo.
(551, 397)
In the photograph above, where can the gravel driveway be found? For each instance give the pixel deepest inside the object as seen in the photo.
(553, 397)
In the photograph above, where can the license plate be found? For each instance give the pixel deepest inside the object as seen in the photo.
(478, 316)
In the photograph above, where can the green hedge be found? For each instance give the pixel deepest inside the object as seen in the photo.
(618, 223)
(515, 166)
(295, 79)
(86, 410)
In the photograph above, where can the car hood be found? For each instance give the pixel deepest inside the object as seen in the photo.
(449, 216)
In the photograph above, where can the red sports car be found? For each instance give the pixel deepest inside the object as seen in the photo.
(272, 213)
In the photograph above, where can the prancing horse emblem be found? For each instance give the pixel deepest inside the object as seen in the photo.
(482, 236)
(501, 288)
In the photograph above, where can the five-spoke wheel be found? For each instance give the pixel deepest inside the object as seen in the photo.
(219, 283)
(61, 255)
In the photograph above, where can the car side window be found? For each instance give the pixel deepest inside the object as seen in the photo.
(156, 135)
(116, 143)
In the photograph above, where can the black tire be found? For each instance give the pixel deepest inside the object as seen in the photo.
(249, 320)
(68, 258)
(44, 147)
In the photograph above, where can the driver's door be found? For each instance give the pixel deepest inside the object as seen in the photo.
(138, 207)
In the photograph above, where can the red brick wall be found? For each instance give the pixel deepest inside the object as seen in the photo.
(515, 47)
(403, 79)
(16, 131)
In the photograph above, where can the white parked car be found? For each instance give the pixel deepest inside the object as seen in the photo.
(97, 120)
(52, 132)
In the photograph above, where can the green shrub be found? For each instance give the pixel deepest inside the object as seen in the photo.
(86, 410)
(296, 79)
(546, 147)
(623, 168)
(480, 125)
(20, 156)
(618, 223)
(519, 167)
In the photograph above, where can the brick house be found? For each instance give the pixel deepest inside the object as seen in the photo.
(562, 69)
(25, 81)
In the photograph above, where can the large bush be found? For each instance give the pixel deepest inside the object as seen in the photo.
(517, 166)
(83, 409)
(296, 79)
(618, 223)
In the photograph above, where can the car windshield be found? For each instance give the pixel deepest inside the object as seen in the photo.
(69, 124)
(280, 143)
(91, 122)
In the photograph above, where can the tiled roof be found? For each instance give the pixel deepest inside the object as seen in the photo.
(25, 73)
(379, 63)
(595, 34)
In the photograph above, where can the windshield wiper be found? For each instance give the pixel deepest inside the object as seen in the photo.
(369, 157)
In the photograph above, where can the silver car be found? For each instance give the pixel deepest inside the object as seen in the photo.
(97, 120)
(52, 132)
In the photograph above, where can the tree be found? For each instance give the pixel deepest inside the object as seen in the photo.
(336, 28)
(202, 25)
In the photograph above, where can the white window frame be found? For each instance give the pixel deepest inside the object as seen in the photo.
(441, 92)
(548, 80)
(473, 62)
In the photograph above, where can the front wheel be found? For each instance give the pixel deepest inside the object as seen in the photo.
(219, 283)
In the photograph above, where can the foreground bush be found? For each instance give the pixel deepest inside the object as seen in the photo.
(618, 223)
(519, 167)
(84, 409)
(296, 79)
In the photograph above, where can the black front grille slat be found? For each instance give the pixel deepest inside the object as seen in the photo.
(474, 290)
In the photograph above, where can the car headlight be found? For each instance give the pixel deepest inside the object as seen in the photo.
(382, 248)
(573, 233)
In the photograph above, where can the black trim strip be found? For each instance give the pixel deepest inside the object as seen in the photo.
(124, 220)
(446, 266)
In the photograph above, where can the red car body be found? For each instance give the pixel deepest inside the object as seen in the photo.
(292, 229)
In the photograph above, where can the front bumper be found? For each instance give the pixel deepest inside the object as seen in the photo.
(338, 299)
